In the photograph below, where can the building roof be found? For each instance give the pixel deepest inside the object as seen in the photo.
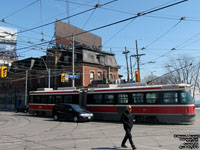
(108, 59)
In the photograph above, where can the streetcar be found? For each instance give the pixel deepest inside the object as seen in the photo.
(42, 101)
(153, 104)
(150, 103)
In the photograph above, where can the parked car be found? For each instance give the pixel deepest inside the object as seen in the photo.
(71, 112)
(22, 108)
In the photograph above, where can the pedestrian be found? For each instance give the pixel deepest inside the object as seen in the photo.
(127, 120)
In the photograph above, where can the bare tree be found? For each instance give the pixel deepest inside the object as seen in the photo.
(183, 70)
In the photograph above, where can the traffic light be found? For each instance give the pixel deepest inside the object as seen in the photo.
(63, 77)
(137, 76)
(4, 71)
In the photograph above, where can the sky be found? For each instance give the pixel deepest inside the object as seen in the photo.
(157, 33)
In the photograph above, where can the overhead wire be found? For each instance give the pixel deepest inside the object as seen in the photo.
(66, 17)
(165, 33)
(118, 32)
(20, 10)
(114, 23)
(41, 20)
(88, 19)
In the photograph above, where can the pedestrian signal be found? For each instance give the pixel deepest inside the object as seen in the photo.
(3, 71)
(137, 76)
(63, 77)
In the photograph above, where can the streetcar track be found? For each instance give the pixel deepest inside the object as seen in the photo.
(12, 119)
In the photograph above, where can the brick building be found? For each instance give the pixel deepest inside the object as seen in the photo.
(92, 66)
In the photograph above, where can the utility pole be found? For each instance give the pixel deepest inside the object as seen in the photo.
(73, 60)
(126, 55)
(49, 73)
(137, 72)
(131, 67)
(49, 80)
(26, 88)
(137, 56)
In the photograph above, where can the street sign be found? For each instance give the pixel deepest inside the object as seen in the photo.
(73, 76)
(66, 77)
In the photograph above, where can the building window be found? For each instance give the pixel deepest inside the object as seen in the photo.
(38, 81)
(75, 58)
(66, 59)
(91, 76)
(51, 60)
(99, 76)
(111, 76)
(102, 59)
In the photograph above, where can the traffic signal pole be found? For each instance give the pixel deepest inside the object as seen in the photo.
(73, 83)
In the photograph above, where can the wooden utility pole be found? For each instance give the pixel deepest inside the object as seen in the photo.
(137, 72)
(137, 56)
(126, 55)
(131, 67)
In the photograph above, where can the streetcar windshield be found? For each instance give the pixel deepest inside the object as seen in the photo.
(186, 97)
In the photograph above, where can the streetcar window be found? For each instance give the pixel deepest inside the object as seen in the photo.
(50, 99)
(97, 99)
(58, 99)
(109, 98)
(43, 99)
(68, 99)
(170, 97)
(122, 98)
(151, 98)
(30, 99)
(137, 98)
(186, 97)
(36, 99)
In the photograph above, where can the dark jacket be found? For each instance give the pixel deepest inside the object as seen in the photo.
(127, 120)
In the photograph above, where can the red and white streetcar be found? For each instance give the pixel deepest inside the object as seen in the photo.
(151, 103)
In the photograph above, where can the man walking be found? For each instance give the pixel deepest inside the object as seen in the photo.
(127, 120)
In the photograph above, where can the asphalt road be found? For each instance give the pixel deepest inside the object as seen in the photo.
(20, 131)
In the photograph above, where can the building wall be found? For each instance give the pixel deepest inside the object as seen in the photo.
(88, 69)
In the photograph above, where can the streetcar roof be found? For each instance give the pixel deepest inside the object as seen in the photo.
(141, 88)
(55, 92)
